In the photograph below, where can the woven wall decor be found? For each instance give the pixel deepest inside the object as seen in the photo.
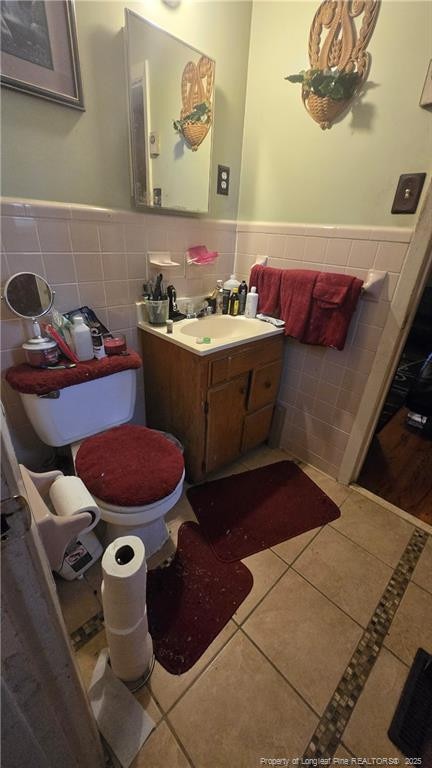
(197, 94)
(339, 61)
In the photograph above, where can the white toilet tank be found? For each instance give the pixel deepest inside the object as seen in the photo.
(83, 409)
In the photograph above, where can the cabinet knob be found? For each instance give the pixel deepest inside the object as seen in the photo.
(267, 384)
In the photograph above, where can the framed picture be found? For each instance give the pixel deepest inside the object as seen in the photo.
(39, 51)
(426, 96)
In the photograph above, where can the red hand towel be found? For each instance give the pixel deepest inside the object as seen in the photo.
(334, 301)
(267, 281)
(296, 300)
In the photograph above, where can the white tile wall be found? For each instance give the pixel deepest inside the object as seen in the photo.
(97, 257)
(321, 388)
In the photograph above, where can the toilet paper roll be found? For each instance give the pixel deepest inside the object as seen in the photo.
(124, 572)
(140, 627)
(123, 615)
(70, 497)
(130, 652)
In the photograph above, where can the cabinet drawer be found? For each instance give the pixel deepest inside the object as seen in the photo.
(244, 360)
(257, 427)
(264, 385)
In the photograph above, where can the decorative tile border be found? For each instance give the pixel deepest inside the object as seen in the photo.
(87, 631)
(334, 720)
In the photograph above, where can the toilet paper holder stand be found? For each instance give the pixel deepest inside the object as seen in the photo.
(135, 685)
(59, 535)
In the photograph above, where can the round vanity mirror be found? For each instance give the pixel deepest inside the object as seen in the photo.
(28, 295)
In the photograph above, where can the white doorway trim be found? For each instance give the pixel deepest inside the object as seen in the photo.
(410, 287)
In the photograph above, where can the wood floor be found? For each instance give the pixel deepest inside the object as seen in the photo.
(398, 467)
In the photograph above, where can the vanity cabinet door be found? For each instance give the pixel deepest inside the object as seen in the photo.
(257, 427)
(264, 385)
(226, 408)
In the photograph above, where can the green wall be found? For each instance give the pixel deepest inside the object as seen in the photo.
(291, 169)
(51, 152)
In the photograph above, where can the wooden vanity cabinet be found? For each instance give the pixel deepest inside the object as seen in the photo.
(219, 405)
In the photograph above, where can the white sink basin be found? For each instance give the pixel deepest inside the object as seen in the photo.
(222, 331)
(216, 327)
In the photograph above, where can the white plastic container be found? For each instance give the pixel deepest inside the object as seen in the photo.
(231, 283)
(251, 303)
(82, 339)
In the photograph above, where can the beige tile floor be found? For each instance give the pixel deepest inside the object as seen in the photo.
(261, 687)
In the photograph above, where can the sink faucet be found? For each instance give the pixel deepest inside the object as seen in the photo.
(173, 310)
(205, 311)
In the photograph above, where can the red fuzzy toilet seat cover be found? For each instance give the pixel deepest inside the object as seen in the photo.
(129, 466)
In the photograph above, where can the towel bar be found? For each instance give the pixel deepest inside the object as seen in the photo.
(373, 285)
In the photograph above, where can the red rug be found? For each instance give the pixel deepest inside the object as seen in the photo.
(190, 601)
(245, 513)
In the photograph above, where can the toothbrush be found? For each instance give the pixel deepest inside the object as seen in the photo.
(65, 348)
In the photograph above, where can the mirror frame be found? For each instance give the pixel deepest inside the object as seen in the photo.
(137, 202)
(12, 309)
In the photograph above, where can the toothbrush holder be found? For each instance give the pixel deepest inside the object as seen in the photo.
(157, 311)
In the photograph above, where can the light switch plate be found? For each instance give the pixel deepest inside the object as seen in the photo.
(408, 192)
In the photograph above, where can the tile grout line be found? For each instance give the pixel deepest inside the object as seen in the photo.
(333, 722)
(281, 674)
(286, 569)
(179, 741)
(329, 599)
(353, 541)
(204, 669)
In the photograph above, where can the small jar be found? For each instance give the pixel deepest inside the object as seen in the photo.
(41, 352)
(98, 344)
(115, 344)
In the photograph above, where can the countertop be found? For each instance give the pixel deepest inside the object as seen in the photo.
(224, 332)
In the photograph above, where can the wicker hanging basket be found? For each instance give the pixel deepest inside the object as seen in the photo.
(195, 133)
(323, 109)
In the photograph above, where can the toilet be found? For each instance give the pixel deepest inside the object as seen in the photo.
(135, 474)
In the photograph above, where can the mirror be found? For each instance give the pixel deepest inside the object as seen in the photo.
(171, 97)
(28, 295)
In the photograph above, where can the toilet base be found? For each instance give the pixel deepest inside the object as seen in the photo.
(153, 535)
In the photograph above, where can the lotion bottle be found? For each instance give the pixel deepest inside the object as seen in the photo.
(251, 303)
(82, 339)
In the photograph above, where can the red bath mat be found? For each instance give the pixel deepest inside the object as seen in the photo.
(190, 601)
(245, 513)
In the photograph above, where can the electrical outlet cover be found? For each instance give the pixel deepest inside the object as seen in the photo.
(223, 177)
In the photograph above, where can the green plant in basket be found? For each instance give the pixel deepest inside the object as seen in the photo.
(201, 113)
(336, 84)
